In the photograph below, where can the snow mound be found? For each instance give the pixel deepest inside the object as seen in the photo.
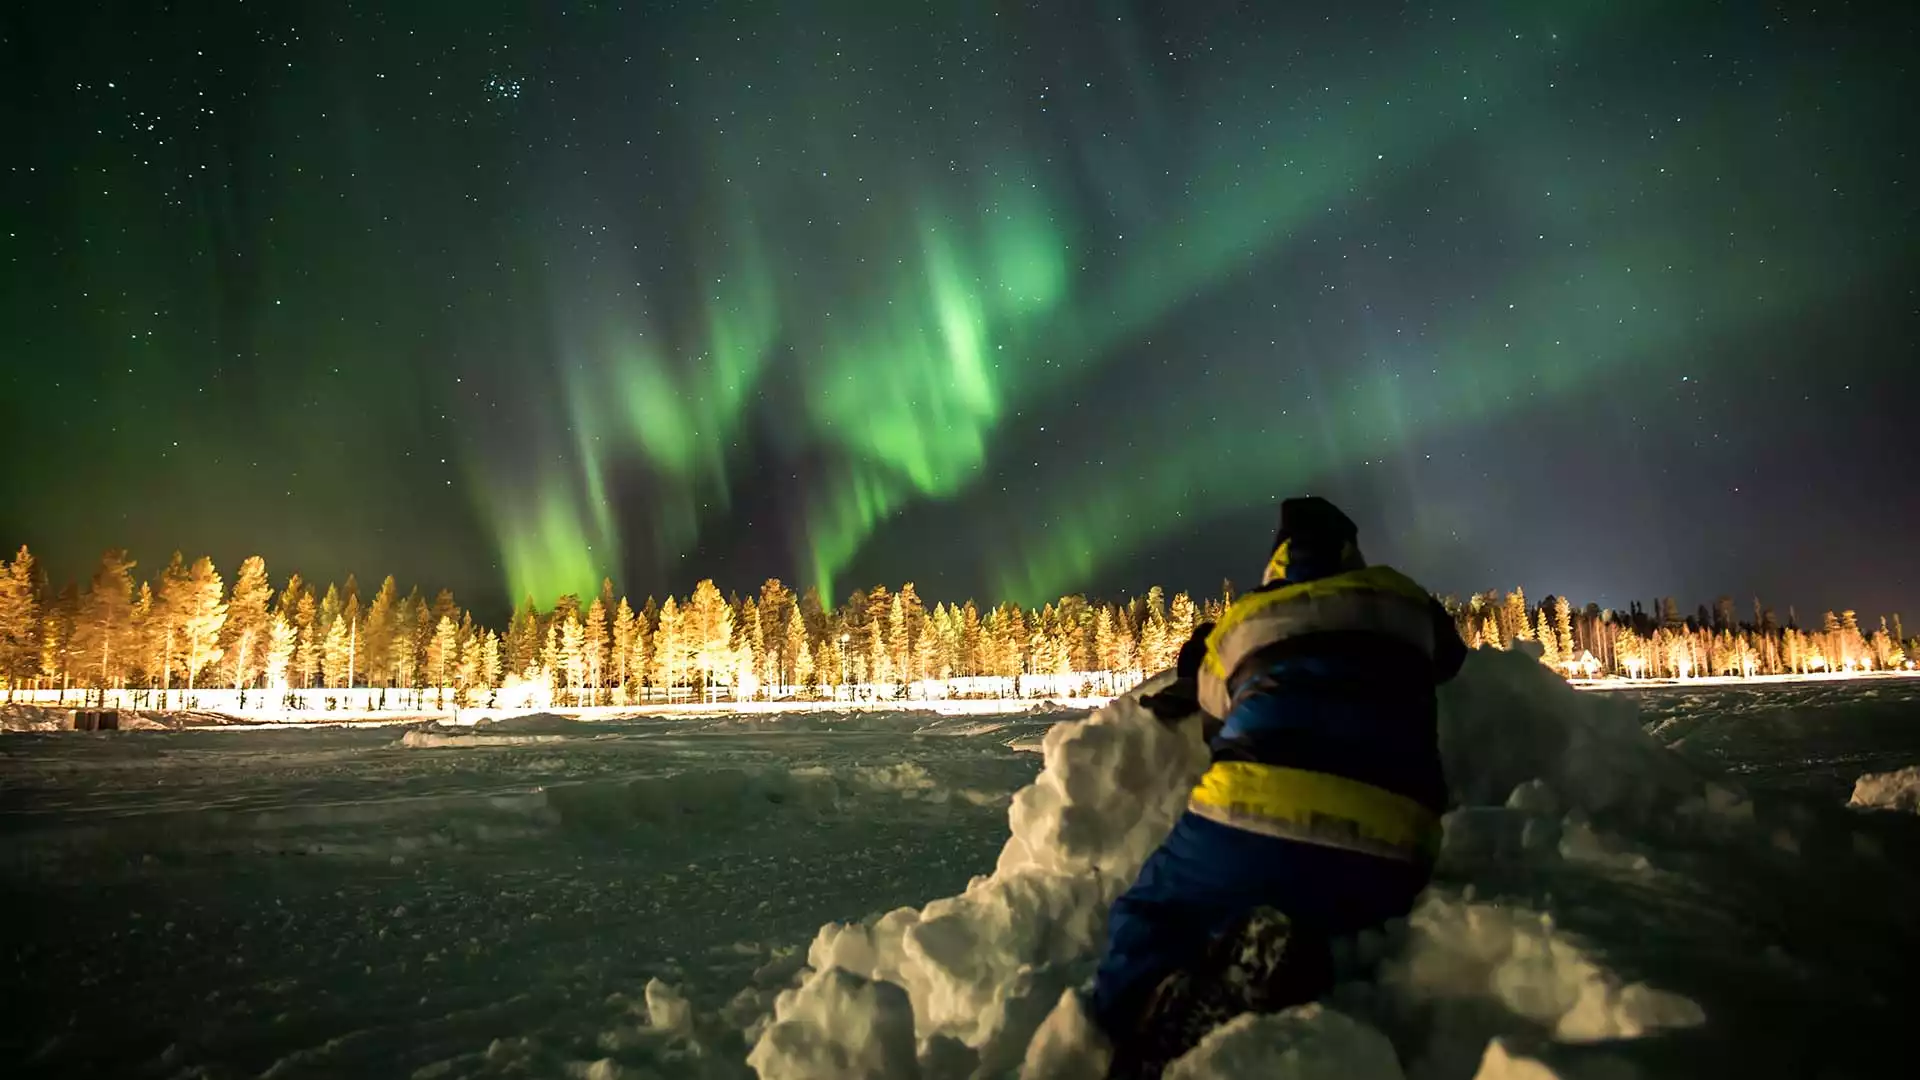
(838, 1024)
(981, 970)
(1310, 1042)
(1898, 790)
(1545, 776)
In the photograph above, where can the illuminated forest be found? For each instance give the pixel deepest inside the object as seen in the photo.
(189, 629)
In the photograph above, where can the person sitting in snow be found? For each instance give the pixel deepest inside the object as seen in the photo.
(1320, 814)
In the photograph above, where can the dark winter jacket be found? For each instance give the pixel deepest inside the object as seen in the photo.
(1324, 795)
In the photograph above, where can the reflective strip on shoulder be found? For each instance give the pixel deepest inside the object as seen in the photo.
(1376, 598)
(1316, 808)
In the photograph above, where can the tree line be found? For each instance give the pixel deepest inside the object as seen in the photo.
(187, 629)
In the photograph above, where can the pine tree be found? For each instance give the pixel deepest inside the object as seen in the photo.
(777, 607)
(803, 672)
(104, 630)
(570, 658)
(522, 639)
(926, 650)
(622, 645)
(1154, 633)
(899, 652)
(202, 615)
(971, 641)
(443, 654)
(593, 646)
(19, 621)
(1513, 617)
(1103, 645)
(710, 631)
(243, 639)
(1126, 647)
(334, 654)
(1549, 642)
(56, 636)
(795, 645)
(280, 641)
(377, 637)
(1563, 627)
(490, 659)
(140, 648)
(289, 608)
(640, 653)
(669, 650)
(1180, 622)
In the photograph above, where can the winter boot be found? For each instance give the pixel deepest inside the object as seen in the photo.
(1261, 964)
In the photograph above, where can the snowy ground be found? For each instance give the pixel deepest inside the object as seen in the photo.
(494, 900)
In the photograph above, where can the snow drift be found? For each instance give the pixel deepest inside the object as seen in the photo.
(983, 980)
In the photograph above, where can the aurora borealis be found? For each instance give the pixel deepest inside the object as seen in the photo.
(1008, 300)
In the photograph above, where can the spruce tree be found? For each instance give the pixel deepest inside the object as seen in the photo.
(19, 621)
(621, 646)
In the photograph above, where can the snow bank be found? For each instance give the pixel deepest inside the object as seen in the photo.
(1545, 775)
(1898, 790)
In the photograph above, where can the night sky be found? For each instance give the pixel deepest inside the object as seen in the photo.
(1006, 299)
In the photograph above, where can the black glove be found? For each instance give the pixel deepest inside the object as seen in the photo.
(1180, 698)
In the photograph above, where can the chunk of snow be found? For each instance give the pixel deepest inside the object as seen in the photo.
(1502, 1062)
(1068, 1045)
(1462, 957)
(838, 1024)
(1898, 790)
(1308, 1042)
(667, 1009)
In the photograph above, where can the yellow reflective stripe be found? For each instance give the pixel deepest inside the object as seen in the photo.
(1378, 579)
(1317, 808)
(1277, 566)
